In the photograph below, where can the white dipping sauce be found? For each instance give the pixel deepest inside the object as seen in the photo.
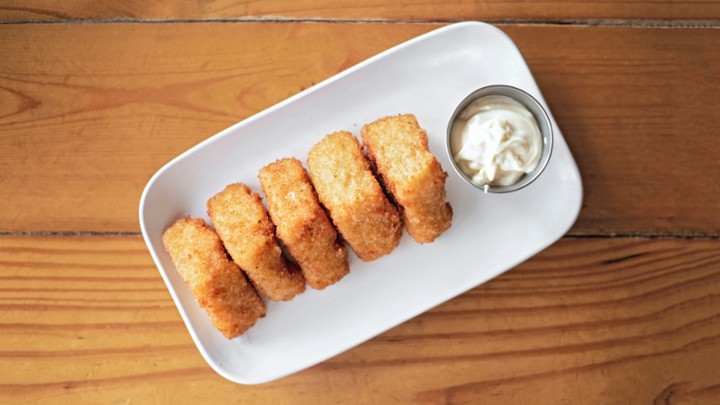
(496, 140)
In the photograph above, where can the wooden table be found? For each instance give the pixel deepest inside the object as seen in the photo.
(94, 98)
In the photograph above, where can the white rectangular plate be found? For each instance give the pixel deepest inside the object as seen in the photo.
(427, 76)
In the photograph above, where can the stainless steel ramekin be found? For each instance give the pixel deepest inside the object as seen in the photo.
(533, 106)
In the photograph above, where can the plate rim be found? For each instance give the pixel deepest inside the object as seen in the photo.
(225, 132)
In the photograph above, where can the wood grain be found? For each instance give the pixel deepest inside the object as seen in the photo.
(617, 320)
(89, 111)
(422, 10)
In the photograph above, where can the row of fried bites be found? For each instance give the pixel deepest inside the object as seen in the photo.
(340, 178)
(245, 233)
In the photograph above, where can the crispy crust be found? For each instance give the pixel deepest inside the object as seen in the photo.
(357, 205)
(249, 237)
(398, 148)
(302, 225)
(217, 284)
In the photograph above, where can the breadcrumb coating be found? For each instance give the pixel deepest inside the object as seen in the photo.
(341, 174)
(302, 225)
(398, 148)
(244, 227)
(217, 284)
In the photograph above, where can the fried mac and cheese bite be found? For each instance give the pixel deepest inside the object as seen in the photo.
(302, 225)
(398, 148)
(243, 225)
(341, 174)
(217, 284)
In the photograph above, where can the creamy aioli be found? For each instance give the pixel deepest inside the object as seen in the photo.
(496, 141)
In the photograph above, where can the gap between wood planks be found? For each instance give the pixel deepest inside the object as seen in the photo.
(637, 23)
(566, 236)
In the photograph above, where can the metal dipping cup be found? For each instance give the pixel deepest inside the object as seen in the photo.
(533, 106)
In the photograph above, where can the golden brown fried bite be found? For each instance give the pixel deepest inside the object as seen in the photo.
(243, 225)
(217, 284)
(398, 147)
(352, 195)
(302, 224)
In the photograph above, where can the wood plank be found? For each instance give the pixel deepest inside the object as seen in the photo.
(422, 10)
(617, 320)
(89, 111)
